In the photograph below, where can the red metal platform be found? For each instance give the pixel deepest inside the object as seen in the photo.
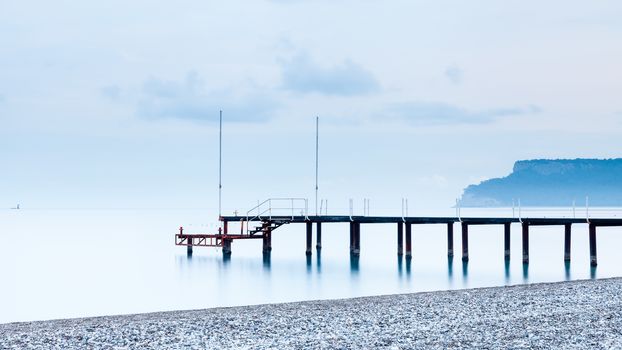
(207, 239)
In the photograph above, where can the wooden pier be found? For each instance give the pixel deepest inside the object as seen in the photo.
(265, 225)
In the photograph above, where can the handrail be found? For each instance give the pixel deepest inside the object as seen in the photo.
(261, 210)
(306, 209)
(403, 219)
(269, 200)
(351, 209)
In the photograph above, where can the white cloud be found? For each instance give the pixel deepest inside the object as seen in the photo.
(190, 99)
(303, 75)
(438, 113)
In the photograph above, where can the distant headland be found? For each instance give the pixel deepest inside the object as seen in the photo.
(551, 182)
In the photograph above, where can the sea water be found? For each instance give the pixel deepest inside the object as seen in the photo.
(77, 263)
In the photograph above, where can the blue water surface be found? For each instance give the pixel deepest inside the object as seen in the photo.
(77, 263)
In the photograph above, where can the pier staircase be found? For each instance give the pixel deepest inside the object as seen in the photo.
(274, 213)
(258, 223)
(267, 227)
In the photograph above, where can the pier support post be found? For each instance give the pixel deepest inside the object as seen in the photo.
(525, 243)
(357, 239)
(189, 246)
(400, 239)
(567, 232)
(267, 242)
(450, 239)
(506, 240)
(351, 237)
(593, 261)
(409, 253)
(226, 247)
(318, 238)
(309, 237)
(465, 242)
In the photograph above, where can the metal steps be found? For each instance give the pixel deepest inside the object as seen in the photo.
(267, 227)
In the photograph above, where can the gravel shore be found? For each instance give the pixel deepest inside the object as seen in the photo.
(578, 314)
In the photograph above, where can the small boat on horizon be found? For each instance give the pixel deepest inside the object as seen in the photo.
(16, 207)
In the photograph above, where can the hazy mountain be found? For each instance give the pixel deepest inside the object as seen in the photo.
(552, 182)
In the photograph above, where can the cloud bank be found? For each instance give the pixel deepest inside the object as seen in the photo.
(438, 113)
(189, 99)
(302, 75)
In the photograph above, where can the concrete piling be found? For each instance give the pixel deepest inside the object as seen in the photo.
(465, 242)
(188, 242)
(267, 242)
(351, 237)
(567, 232)
(506, 240)
(593, 261)
(309, 237)
(226, 247)
(409, 240)
(318, 238)
(226, 243)
(450, 239)
(400, 239)
(356, 251)
(525, 243)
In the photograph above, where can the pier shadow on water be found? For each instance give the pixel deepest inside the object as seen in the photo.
(403, 265)
(450, 267)
(318, 262)
(354, 264)
(201, 262)
(266, 260)
(226, 259)
(309, 261)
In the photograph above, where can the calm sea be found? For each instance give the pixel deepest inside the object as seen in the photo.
(77, 263)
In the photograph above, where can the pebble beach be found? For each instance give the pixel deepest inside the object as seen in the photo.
(577, 314)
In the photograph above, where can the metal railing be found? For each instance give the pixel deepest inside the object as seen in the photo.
(279, 207)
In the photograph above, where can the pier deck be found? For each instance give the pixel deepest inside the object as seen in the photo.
(424, 220)
(264, 225)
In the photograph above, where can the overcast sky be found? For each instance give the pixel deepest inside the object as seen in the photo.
(115, 104)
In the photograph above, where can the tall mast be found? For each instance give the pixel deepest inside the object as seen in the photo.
(317, 141)
(220, 168)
